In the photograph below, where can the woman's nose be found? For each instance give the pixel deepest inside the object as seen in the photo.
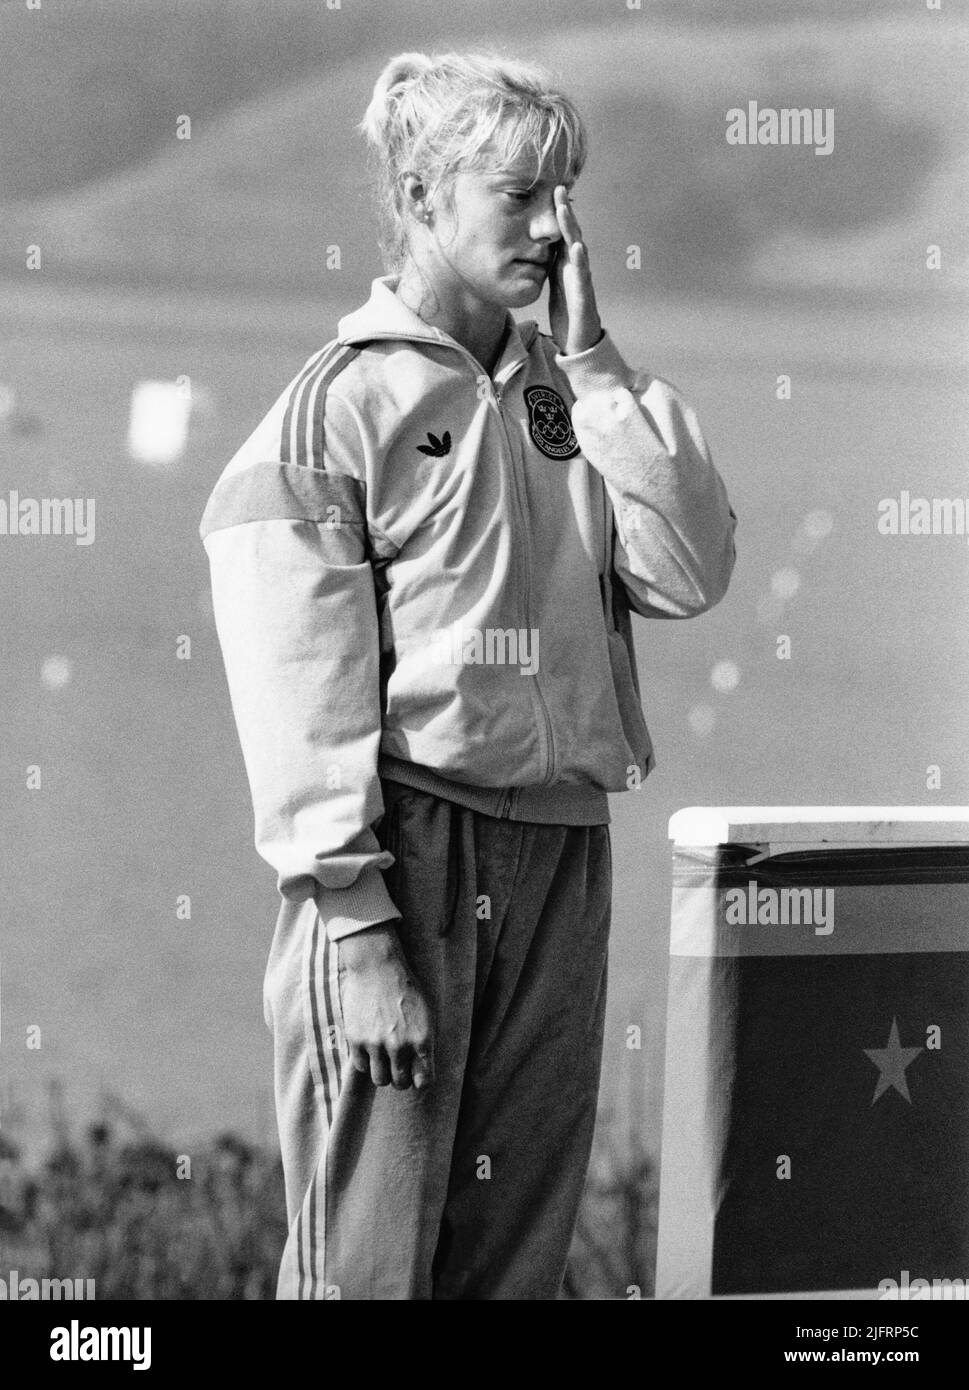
(545, 224)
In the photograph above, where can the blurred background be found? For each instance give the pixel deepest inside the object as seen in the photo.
(217, 263)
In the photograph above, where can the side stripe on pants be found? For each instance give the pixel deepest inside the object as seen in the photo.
(327, 1062)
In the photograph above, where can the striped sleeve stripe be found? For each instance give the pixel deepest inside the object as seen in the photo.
(285, 450)
(305, 405)
(300, 401)
(319, 401)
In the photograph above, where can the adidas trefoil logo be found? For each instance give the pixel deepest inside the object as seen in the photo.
(437, 448)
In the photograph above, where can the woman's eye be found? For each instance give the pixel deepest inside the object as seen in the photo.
(517, 195)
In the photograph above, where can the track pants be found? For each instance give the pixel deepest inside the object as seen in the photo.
(468, 1189)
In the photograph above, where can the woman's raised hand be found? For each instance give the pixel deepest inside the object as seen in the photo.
(573, 316)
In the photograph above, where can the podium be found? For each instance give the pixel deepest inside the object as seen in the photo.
(816, 1109)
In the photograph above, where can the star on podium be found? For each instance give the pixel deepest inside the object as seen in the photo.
(891, 1062)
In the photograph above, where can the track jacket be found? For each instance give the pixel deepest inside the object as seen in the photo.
(423, 572)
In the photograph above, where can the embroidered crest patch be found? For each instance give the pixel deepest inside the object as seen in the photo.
(549, 423)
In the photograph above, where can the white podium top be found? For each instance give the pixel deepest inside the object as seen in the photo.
(859, 825)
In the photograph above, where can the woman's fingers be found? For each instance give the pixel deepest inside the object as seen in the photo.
(573, 315)
(567, 220)
(575, 300)
(423, 1067)
(379, 1066)
(575, 253)
(400, 1068)
(557, 309)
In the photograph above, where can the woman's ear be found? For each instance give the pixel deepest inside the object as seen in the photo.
(414, 196)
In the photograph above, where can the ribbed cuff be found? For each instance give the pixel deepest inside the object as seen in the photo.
(363, 904)
(601, 367)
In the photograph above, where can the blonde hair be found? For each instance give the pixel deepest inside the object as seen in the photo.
(432, 114)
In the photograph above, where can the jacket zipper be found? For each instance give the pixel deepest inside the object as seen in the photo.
(542, 708)
(519, 496)
(497, 392)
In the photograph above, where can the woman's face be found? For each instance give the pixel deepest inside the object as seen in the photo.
(496, 236)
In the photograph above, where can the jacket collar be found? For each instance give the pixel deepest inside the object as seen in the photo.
(386, 316)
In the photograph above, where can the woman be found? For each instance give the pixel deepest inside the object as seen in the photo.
(423, 562)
